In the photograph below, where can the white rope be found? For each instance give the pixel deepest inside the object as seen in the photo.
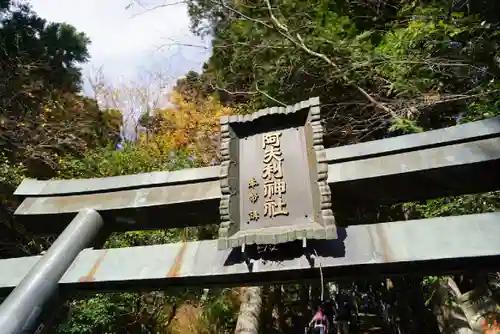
(321, 276)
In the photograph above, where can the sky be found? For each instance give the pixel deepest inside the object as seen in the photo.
(127, 43)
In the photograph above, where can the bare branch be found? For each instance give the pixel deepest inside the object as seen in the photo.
(146, 9)
(282, 28)
(268, 96)
(221, 3)
(216, 87)
(274, 19)
(176, 43)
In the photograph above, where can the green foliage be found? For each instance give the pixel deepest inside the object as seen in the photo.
(131, 159)
(378, 67)
(484, 107)
(111, 313)
(99, 314)
(11, 174)
(47, 129)
(409, 54)
(42, 114)
(458, 205)
(143, 238)
(220, 312)
(50, 52)
(427, 57)
(103, 162)
(405, 126)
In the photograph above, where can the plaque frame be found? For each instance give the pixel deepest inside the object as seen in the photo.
(266, 120)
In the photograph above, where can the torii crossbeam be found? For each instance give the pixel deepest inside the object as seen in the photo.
(314, 181)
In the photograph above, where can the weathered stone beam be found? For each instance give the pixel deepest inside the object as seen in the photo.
(147, 208)
(463, 168)
(473, 131)
(430, 246)
(457, 134)
(30, 187)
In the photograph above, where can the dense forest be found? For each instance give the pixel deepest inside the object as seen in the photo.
(381, 68)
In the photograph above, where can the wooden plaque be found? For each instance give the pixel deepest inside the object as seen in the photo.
(274, 177)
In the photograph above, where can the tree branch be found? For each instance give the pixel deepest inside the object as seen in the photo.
(148, 9)
(283, 29)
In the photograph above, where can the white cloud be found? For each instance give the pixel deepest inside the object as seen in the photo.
(125, 43)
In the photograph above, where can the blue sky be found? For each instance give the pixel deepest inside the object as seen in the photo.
(126, 44)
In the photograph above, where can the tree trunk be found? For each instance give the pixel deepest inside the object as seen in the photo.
(304, 304)
(450, 316)
(425, 320)
(315, 295)
(494, 285)
(266, 315)
(279, 308)
(463, 313)
(249, 316)
(478, 304)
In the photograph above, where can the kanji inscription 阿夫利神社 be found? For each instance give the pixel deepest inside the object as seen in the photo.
(272, 174)
(274, 183)
(288, 197)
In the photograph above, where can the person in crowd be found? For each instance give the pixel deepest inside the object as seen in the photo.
(343, 313)
(319, 323)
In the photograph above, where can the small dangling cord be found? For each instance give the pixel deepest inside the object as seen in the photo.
(321, 276)
(320, 273)
(311, 258)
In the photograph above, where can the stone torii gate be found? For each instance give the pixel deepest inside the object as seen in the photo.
(276, 185)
